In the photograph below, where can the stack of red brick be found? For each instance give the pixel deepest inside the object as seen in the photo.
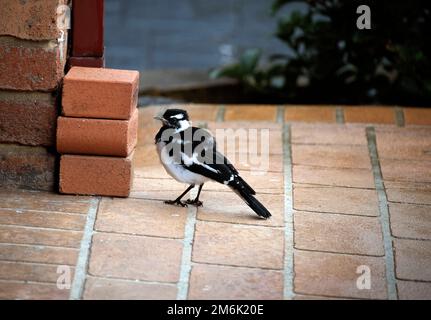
(97, 132)
(32, 59)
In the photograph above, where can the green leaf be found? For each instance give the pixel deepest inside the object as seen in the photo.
(249, 60)
(231, 71)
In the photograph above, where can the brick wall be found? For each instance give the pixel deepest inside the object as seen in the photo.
(32, 61)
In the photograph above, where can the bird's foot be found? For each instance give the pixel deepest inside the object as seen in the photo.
(195, 202)
(176, 203)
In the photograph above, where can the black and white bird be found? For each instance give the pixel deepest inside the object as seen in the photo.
(189, 154)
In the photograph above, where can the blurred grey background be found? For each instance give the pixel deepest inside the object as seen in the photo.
(185, 34)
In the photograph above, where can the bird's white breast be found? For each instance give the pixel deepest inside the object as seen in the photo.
(176, 170)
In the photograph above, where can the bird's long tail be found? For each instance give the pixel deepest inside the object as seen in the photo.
(252, 202)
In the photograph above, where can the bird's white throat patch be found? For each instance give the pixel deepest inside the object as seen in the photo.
(183, 125)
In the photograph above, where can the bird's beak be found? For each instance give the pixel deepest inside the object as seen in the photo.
(161, 119)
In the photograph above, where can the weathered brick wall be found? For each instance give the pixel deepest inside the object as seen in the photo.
(32, 61)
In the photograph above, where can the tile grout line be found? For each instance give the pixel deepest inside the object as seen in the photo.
(384, 214)
(399, 117)
(172, 284)
(280, 114)
(220, 113)
(186, 259)
(339, 115)
(77, 287)
(201, 263)
(288, 292)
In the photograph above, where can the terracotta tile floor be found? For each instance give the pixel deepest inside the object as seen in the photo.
(349, 190)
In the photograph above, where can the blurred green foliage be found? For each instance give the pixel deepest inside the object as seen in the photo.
(329, 60)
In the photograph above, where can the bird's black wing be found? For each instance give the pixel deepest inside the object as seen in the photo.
(203, 157)
(207, 161)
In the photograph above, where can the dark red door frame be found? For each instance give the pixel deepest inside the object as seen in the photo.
(87, 49)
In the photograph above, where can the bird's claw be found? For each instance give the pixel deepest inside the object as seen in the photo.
(176, 203)
(195, 202)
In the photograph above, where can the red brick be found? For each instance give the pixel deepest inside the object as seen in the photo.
(412, 259)
(224, 283)
(318, 133)
(270, 125)
(20, 200)
(334, 275)
(338, 233)
(309, 114)
(251, 113)
(331, 156)
(100, 93)
(238, 245)
(27, 291)
(97, 175)
(362, 114)
(141, 217)
(26, 167)
(135, 257)
(234, 210)
(31, 20)
(336, 200)
(413, 143)
(406, 170)
(113, 289)
(28, 65)
(31, 272)
(410, 221)
(412, 290)
(97, 136)
(417, 116)
(342, 177)
(39, 254)
(27, 118)
(408, 192)
(36, 236)
(42, 219)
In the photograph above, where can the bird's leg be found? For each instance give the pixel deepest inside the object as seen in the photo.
(196, 201)
(177, 201)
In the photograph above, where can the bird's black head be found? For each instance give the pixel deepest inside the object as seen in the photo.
(175, 118)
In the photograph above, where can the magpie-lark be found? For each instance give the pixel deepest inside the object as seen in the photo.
(189, 154)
